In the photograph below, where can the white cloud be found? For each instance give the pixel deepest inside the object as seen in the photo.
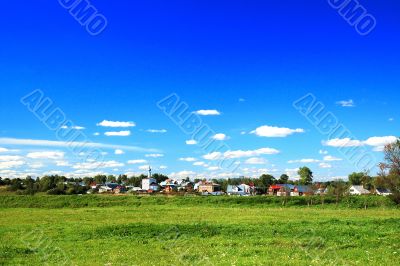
(53, 155)
(304, 161)
(346, 142)
(119, 152)
(240, 154)
(191, 142)
(220, 136)
(183, 174)
(136, 161)
(208, 112)
(323, 152)
(346, 103)
(97, 165)
(377, 142)
(73, 127)
(154, 155)
(107, 123)
(325, 165)
(330, 158)
(36, 165)
(62, 163)
(12, 164)
(163, 167)
(157, 130)
(188, 159)
(123, 133)
(256, 160)
(51, 143)
(3, 149)
(10, 158)
(199, 164)
(380, 141)
(143, 167)
(96, 134)
(213, 168)
(275, 132)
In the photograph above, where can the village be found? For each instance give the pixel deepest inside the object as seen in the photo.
(150, 185)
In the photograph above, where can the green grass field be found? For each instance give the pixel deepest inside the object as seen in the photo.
(106, 230)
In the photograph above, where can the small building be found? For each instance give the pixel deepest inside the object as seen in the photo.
(383, 192)
(209, 187)
(120, 190)
(147, 183)
(358, 190)
(241, 190)
(280, 190)
(302, 191)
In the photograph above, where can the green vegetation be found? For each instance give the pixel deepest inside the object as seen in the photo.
(158, 230)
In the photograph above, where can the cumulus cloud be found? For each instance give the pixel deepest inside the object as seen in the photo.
(329, 158)
(346, 103)
(54, 155)
(275, 132)
(323, 152)
(183, 174)
(119, 152)
(154, 155)
(240, 154)
(213, 168)
(208, 112)
(162, 167)
(377, 142)
(107, 123)
(144, 167)
(10, 157)
(256, 160)
(66, 144)
(191, 142)
(123, 133)
(97, 165)
(137, 161)
(304, 161)
(157, 130)
(188, 159)
(220, 136)
(325, 165)
(199, 164)
(346, 142)
(11, 164)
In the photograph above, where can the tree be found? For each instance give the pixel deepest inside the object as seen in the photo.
(337, 188)
(267, 180)
(356, 178)
(390, 169)
(283, 179)
(306, 176)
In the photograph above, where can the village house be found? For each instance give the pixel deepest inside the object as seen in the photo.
(302, 191)
(358, 190)
(208, 187)
(241, 190)
(383, 192)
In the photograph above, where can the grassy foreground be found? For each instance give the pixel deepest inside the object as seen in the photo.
(102, 230)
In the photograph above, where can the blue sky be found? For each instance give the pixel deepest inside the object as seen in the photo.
(248, 60)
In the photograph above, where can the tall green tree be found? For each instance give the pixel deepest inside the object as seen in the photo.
(267, 180)
(390, 169)
(306, 176)
(356, 178)
(283, 179)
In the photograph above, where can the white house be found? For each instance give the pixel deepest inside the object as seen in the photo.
(358, 190)
(383, 192)
(148, 183)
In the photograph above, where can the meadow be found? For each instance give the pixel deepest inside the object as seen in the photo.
(130, 230)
